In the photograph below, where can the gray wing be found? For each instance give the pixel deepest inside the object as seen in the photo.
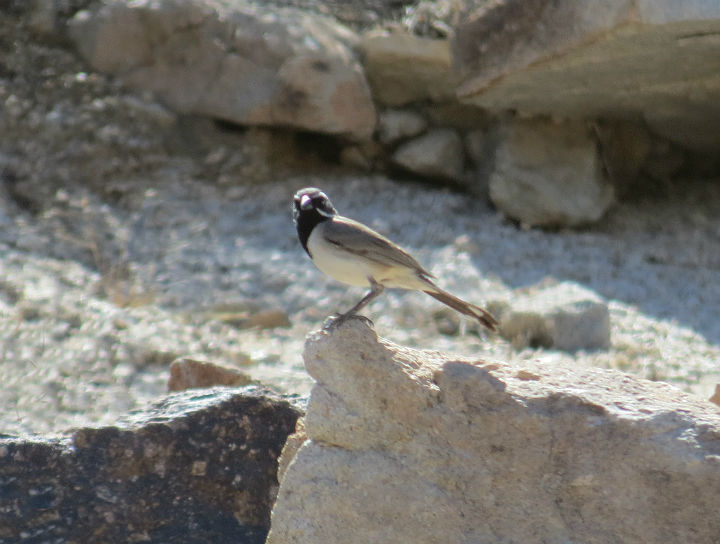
(361, 240)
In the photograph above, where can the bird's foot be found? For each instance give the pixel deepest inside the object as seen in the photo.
(336, 320)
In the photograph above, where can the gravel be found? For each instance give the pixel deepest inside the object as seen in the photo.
(82, 347)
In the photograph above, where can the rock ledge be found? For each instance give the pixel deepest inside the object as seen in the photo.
(413, 446)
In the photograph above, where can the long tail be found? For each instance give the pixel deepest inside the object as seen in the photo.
(483, 316)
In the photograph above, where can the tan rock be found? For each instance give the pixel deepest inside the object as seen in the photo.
(241, 62)
(190, 374)
(293, 444)
(411, 446)
(402, 68)
(268, 319)
(652, 59)
(716, 396)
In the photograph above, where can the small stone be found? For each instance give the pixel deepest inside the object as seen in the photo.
(526, 375)
(437, 154)
(190, 374)
(565, 316)
(396, 125)
(267, 319)
(199, 468)
(447, 322)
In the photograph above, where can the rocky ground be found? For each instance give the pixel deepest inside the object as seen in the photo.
(129, 237)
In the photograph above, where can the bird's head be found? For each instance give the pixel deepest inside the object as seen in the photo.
(312, 201)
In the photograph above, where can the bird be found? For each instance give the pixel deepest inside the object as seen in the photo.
(354, 254)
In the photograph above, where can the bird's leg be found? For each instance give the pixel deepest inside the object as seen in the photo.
(375, 290)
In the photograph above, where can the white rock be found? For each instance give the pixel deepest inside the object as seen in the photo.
(439, 153)
(413, 446)
(650, 59)
(549, 174)
(565, 316)
(395, 125)
(241, 62)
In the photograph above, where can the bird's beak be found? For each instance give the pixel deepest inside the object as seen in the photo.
(305, 202)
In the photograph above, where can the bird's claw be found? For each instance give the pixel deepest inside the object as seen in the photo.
(336, 320)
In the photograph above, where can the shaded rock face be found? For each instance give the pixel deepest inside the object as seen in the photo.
(196, 467)
(402, 68)
(411, 446)
(241, 62)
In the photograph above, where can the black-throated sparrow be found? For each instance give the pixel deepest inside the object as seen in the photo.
(354, 254)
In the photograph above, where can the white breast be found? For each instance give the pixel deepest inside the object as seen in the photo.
(340, 265)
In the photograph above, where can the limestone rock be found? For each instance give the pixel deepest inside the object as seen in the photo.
(565, 316)
(549, 174)
(395, 125)
(242, 62)
(652, 59)
(439, 153)
(412, 446)
(403, 68)
(198, 466)
(190, 374)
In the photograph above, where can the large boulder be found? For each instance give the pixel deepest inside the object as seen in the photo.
(656, 59)
(416, 446)
(549, 174)
(198, 466)
(239, 61)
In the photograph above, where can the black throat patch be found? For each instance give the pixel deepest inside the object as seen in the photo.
(305, 222)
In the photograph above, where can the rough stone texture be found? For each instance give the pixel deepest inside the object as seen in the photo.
(190, 374)
(658, 59)
(292, 445)
(196, 467)
(402, 68)
(395, 125)
(411, 446)
(439, 153)
(565, 316)
(238, 61)
(549, 174)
